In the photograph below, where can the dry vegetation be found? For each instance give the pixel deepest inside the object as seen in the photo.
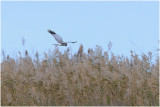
(93, 78)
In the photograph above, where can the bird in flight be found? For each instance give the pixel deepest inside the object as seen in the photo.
(59, 39)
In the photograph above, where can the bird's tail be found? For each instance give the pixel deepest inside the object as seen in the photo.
(51, 32)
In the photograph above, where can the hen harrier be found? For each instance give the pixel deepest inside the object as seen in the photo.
(59, 39)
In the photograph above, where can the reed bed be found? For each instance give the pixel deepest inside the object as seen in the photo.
(95, 78)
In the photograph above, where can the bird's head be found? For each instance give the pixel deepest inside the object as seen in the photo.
(64, 44)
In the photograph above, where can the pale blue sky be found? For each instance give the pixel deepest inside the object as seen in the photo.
(128, 25)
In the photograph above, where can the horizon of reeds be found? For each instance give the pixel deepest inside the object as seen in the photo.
(82, 79)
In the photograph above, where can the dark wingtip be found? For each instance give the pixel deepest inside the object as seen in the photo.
(51, 32)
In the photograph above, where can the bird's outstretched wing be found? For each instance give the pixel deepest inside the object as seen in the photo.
(71, 42)
(57, 44)
(57, 37)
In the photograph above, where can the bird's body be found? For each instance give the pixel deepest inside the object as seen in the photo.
(59, 39)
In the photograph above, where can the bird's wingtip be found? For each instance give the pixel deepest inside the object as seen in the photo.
(51, 32)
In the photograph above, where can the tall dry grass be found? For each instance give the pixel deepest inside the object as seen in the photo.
(93, 78)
